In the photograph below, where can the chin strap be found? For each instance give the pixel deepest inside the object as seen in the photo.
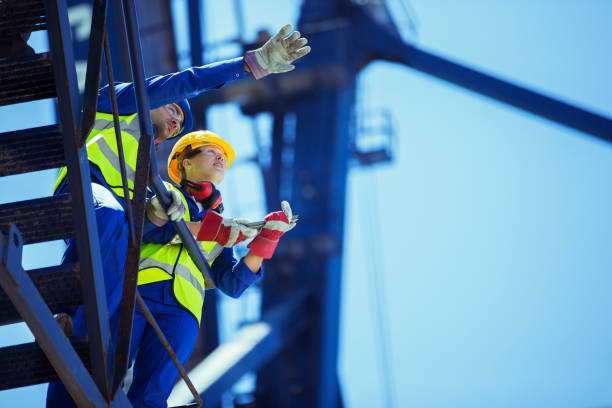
(205, 193)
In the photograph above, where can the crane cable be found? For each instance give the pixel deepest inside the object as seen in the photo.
(373, 251)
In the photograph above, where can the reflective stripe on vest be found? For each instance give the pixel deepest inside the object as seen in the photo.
(163, 262)
(102, 150)
(179, 270)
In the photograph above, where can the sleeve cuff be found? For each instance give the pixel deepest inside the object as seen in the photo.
(237, 68)
(158, 222)
(246, 276)
(228, 70)
(157, 235)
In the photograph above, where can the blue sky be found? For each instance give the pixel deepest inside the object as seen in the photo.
(489, 231)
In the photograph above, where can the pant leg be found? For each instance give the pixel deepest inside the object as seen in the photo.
(154, 371)
(113, 237)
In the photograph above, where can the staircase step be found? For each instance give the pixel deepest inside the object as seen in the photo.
(26, 364)
(60, 287)
(18, 156)
(26, 79)
(40, 220)
(22, 16)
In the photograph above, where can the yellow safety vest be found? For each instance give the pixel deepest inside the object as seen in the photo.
(160, 262)
(102, 150)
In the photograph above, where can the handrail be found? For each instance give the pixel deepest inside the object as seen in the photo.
(92, 75)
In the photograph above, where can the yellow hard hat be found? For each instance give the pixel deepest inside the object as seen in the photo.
(195, 140)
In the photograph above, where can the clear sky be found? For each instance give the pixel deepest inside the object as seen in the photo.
(491, 228)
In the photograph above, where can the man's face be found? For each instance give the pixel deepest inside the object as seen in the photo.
(168, 120)
(208, 165)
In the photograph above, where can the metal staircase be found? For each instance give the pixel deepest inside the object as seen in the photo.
(33, 296)
(81, 363)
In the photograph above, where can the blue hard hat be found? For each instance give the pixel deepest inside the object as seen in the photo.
(188, 122)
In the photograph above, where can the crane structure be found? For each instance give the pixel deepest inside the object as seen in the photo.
(321, 95)
(294, 347)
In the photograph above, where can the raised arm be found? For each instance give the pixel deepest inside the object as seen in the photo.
(170, 88)
(276, 56)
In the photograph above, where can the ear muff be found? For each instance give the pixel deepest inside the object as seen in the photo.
(205, 193)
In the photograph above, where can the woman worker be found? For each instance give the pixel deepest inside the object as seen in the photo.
(170, 283)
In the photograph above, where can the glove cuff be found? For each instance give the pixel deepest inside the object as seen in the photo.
(262, 247)
(155, 220)
(250, 57)
(211, 223)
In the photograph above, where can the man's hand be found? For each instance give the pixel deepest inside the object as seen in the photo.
(159, 216)
(277, 54)
(277, 223)
(225, 231)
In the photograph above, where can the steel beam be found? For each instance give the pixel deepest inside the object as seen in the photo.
(273, 174)
(35, 312)
(382, 44)
(520, 97)
(97, 34)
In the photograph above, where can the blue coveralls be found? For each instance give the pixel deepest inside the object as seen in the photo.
(110, 214)
(154, 372)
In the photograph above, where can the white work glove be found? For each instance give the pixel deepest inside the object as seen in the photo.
(226, 232)
(277, 54)
(159, 216)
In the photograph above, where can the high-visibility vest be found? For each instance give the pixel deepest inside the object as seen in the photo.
(102, 150)
(160, 262)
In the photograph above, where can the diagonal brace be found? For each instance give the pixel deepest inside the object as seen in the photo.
(35, 312)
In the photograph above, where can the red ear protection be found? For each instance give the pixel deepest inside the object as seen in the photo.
(205, 193)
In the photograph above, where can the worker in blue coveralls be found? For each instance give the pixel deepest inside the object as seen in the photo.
(169, 281)
(171, 117)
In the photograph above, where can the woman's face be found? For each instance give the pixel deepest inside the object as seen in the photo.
(208, 165)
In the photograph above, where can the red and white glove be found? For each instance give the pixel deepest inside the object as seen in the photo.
(277, 223)
(277, 54)
(225, 231)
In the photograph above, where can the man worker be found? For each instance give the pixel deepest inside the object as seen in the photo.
(170, 283)
(171, 117)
